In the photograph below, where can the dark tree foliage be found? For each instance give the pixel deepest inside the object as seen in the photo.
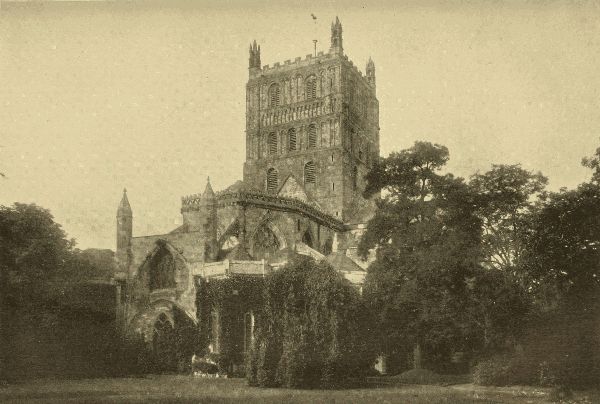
(426, 284)
(563, 253)
(312, 331)
(39, 267)
(33, 248)
(506, 201)
(593, 163)
(559, 266)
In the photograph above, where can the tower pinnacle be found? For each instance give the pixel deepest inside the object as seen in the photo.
(254, 59)
(336, 37)
(370, 71)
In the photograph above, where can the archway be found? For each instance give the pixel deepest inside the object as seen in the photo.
(163, 344)
(161, 268)
(307, 239)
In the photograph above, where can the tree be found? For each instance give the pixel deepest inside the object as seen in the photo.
(593, 163)
(564, 250)
(427, 239)
(505, 204)
(33, 248)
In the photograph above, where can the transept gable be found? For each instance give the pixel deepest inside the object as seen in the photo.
(291, 188)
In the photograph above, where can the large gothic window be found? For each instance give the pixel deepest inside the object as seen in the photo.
(311, 88)
(274, 95)
(312, 136)
(272, 180)
(264, 242)
(272, 143)
(292, 139)
(309, 173)
(162, 270)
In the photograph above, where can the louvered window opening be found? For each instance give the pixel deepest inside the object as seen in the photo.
(312, 136)
(272, 180)
(311, 88)
(274, 93)
(309, 173)
(292, 139)
(272, 143)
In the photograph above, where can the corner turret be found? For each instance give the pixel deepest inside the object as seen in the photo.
(254, 59)
(124, 229)
(336, 38)
(370, 71)
(208, 212)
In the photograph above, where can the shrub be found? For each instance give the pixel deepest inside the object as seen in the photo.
(311, 331)
(493, 372)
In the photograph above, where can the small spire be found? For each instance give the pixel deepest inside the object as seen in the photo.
(208, 191)
(124, 207)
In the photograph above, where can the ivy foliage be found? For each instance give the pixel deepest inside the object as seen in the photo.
(312, 330)
(232, 298)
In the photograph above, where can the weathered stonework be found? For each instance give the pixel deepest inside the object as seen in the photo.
(312, 133)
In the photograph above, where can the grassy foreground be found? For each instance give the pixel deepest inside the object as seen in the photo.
(187, 389)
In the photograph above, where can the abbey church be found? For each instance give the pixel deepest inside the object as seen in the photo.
(312, 133)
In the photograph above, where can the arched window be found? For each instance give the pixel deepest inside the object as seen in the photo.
(162, 344)
(309, 173)
(312, 136)
(272, 143)
(354, 178)
(311, 88)
(274, 95)
(162, 269)
(292, 139)
(298, 83)
(307, 239)
(272, 180)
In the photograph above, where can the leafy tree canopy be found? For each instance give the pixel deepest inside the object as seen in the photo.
(427, 239)
(505, 203)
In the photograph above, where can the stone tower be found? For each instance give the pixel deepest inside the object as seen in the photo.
(124, 229)
(315, 119)
(208, 211)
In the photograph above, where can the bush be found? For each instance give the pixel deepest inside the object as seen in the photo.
(311, 331)
(424, 376)
(493, 372)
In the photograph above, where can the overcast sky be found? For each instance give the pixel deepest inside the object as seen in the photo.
(95, 97)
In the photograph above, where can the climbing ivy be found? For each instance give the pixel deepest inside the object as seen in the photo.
(232, 298)
(312, 331)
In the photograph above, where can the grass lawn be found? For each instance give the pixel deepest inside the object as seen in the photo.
(188, 389)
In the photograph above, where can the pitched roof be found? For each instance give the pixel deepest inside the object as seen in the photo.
(341, 262)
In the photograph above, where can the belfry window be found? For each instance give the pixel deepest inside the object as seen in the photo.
(272, 180)
(312, 136)
(272, 143)
(311, 88)
(291, 139)
(274, 95)
(309, 173)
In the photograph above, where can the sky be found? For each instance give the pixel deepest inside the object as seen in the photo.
(98, 96)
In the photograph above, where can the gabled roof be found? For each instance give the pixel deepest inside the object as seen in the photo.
(341, 262)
